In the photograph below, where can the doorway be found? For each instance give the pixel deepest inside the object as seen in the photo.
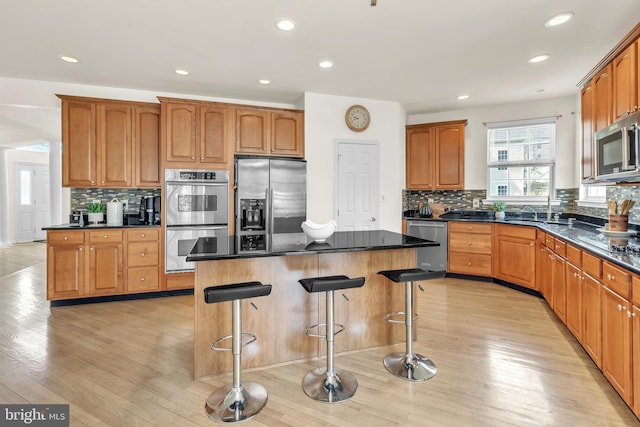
(357, 185)
(32, 201)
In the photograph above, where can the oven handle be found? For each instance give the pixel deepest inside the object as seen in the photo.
(207, 183)
(197, 227)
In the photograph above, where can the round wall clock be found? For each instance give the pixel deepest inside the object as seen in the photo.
(357, 118)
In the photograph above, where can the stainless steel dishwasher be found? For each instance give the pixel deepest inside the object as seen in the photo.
(434, 257)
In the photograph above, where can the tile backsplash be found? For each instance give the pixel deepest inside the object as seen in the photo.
(82, 197)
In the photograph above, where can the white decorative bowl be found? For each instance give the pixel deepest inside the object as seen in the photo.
(319, 232)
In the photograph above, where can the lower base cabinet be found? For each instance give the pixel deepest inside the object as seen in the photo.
(616, 343)
(514, 259)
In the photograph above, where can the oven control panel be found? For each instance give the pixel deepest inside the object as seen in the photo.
(196, 175)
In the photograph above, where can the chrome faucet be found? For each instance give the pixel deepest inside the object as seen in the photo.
(535, 214)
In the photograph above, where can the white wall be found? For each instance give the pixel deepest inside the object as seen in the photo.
(475, 168)
(324, 123)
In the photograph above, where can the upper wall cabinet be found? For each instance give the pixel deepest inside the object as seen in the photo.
(435, 156)
(266, 132)
(99, 148)
(609, 92)
(196, 134)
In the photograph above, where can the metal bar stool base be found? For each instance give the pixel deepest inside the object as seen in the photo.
(410, 367)
(331, 389)
(231, 405)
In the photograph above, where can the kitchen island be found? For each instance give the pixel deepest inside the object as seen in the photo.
(282, 317)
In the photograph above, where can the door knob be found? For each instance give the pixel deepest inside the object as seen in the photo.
(373, 219)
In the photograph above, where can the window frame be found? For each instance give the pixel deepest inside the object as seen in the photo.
(524, 163)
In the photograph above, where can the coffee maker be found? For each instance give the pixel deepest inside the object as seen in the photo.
(150, 210)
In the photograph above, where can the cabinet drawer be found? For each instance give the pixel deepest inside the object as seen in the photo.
(550, 241)
(574, 255)
(142, 254)
(470, 227)
(469, 243)
(635, 291)
(143, 235)
(141, 279)
(592, 265)
(560, 248)
(111, 235)
(616, 279)
(58, 237)
(518, 231)
(472, 264)
(541, 237)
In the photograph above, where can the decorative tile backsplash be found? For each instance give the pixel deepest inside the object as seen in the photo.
(82, 197)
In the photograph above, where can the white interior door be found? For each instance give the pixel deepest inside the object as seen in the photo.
(32, 201)
(358, 185)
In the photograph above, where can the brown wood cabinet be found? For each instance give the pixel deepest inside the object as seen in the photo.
(66, 264)
(196, 134)
(110, 261)
(98, 144)
(573, 281)
(435, 156)
(625, 82)
(559, 286)
(515, 254)
(602, 98)
(635, 327)
(146, 147)
(588, 159)
(266, 132)
(616, 343)
(470, 246)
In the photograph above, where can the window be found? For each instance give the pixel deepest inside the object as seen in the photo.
(521, 159)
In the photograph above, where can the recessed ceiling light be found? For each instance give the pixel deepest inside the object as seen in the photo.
(285, 24)
(182, 72)
(264, 82)
(70, 59)
(559, 19)
(539, 58)
(325, 64)
(461, 97)
(536, 91)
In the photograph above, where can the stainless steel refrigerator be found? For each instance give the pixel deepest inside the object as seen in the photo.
(271, 201)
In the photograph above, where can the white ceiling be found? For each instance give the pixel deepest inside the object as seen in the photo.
(420, 53)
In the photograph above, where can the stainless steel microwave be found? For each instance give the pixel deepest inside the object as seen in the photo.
(617, 150)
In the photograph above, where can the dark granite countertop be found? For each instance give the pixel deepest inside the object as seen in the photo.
(299, 244)
(96, 226)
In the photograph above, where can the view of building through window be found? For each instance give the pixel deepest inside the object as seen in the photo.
(521, 159)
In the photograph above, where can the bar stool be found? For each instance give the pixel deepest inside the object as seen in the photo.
(409, 365)
(329, 384)
(241, 401)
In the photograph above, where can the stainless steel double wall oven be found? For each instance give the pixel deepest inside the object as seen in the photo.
(196, 205)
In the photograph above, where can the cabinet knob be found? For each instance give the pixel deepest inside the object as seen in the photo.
(469, 264)
(93, 182)
(142, 279)
(469, 243)
(470, 228)
(531, 244)
(619, 307)
(66, 238)
(142, 254)
(628, 314)
(264, 149)
(201, 157)
(105, 237)
(633, 315)
(142, 235)
(103, 182)
(80, 248)
(91, 248)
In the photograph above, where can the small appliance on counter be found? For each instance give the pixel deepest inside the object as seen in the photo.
(114, 212)
(150, 210)
(78, 219)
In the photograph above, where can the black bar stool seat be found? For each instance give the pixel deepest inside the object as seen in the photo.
(329, 384)
(240, 401)
(409, 365)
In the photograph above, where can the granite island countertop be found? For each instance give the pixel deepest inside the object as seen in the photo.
(300, 244)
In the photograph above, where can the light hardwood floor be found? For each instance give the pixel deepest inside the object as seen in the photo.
(503, 360)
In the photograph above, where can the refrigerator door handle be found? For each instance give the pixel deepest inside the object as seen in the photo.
(268, 229)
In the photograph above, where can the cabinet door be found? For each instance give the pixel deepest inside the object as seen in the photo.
(558, 266)
(105, 269)
(602, 102)
(449, 157)
(542, 261)
(65, 271)
(418, 161)
(514, 260)
(586, 101)
(146, 147)
(636, 358)
(79, 156)
(287, 134)
(574, 280)
(591, 314)
(214, 133)
(115, 142)
(625, 76)
(252, 131)
(180, 126)
(616, 343)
